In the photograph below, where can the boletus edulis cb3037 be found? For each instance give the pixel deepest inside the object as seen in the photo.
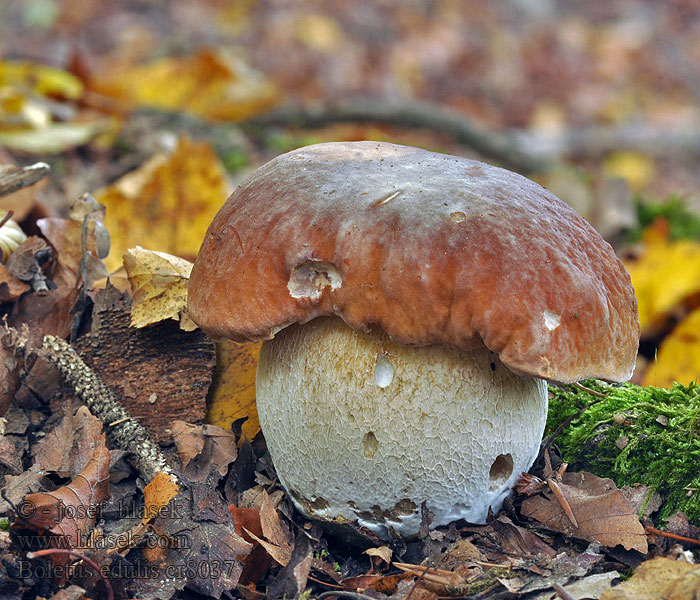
(412, 306)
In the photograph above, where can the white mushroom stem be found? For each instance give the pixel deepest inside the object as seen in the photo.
(363, 428)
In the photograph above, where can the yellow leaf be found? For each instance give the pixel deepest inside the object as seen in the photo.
(666, 275)
(54, 138)
(159, 285)
(658, 579)
(319, 32)
(40, 79)
(678, 357)
(232, 393)
(636, 168)
(169, 203)
(212, 84)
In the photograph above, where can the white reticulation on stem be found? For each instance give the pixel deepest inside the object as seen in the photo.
(451, 428)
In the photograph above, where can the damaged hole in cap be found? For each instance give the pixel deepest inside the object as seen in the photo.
(310, 278)
(501, 470)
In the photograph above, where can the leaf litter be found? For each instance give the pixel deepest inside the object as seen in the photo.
(235, 507)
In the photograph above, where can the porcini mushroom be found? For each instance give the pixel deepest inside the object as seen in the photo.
(412, 304)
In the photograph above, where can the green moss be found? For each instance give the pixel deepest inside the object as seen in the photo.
(662, 427)
(682, 222)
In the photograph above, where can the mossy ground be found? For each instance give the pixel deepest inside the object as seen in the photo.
(662, 449)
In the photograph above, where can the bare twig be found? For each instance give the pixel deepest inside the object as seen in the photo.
(600, 397)
(14, 178)
(588, 390)
(7, 217)
(520, 150)
(416, 582)
(344, 594)
(562, 593)
(563, 502)
(435, 117)
(671, 536)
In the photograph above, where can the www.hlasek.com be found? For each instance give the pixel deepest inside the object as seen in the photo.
(127, 539)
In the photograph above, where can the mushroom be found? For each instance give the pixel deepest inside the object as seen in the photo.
(412, 306)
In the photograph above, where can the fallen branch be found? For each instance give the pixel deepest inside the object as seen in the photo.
(14, 178)
(519, 150)
(425, 115)
(122, 430)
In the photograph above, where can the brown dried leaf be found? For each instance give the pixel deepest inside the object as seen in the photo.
(659, 579)
(9, 377)
(51, 314)
(207, 553)
(11, 288)
(603, 513)
(278, 544)
(70, 446)
(518, 541)
(272, 527)
(383, 552)
(202, 446)
(71, 510)
(281, 555)
(291, 581)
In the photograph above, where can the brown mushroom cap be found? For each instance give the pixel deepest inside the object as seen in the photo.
(432, 248)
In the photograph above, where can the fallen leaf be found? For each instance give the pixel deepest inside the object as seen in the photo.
(70, 511)
(11, 288)
(678, 356)
(205, 553)
(55, 312)
(213, 84)
(158, 494)
(519, 541)
(232, 393)
(276, 542)
(171, 205)
(41, 79)
(291, 581)
(159, 286)
(67, 449)
(590, 587)
(202, 447)
(665, 276)
(603, 513)
(255, 565)
(659, 579)
(319, 32)
(383, 552)
(636, 168)
(53, 139)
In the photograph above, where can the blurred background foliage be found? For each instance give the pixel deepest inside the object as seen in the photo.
(159, 108)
